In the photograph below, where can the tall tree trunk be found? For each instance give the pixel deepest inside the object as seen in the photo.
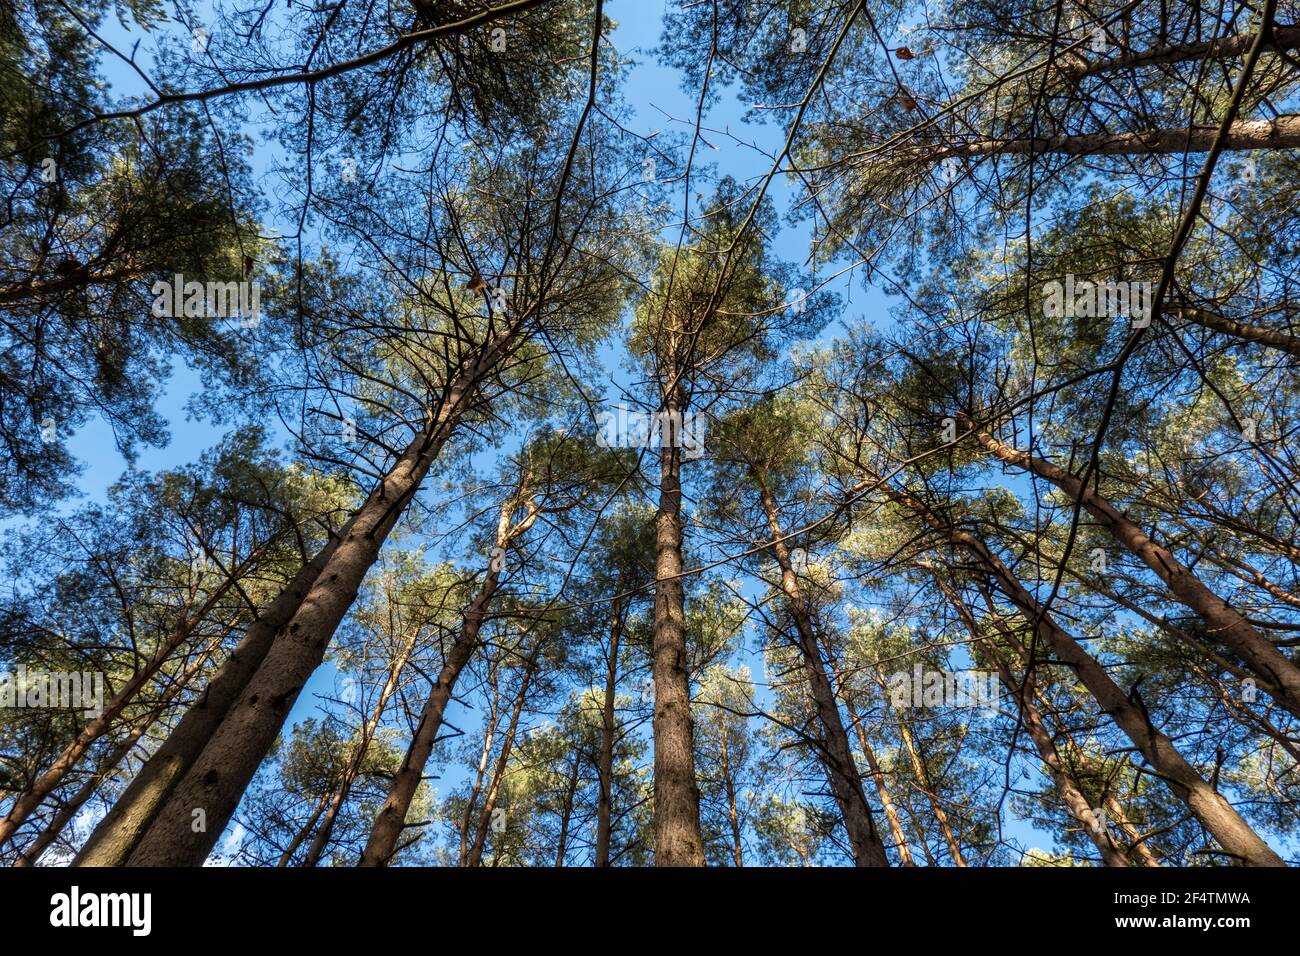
(836, 754)
(924, 785)
(96, 727)
(678, 840)
(391, 819)
(353, 768)
(1067, 787)
(605, 768)
(1233, 833)
(1280, 133)
(33, 851)
(191, 821)
(882, 789)
(570, 792)
(503, 761)
(305, 830)
(117, 835)
(733, 814)
(1223, 622)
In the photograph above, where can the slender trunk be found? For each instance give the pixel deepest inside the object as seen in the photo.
(353, 768)
(605, 768)
(503, 761)
(923, 784)
(480, 776)
(1067, 787)
(1128, 711)
(49, 781)
(886, 801)
(301, 836)
(118, 834)
(733, 813)
(1222, 621)
(836, 754)
(571, 790)
(678, 840)
(391, 819)
(33, 851)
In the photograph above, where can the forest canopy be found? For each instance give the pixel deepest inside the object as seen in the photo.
(581, 433)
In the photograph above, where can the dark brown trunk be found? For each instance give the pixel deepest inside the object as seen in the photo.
(678, 841)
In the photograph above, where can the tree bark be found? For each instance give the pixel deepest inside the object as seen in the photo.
(605, 768)
(391, 819)
(216, 782)
(503, 761)
(678, 840)
(117, 835)
(836, 754)
(1280, 133)
(96, 727)
(1233, 833)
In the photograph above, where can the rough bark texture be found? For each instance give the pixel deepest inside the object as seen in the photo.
(190, 822)
(678, 841)
(118, 833)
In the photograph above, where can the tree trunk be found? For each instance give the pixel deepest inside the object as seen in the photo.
(503, 761)
(117, 835)
(96, 727)
(353, 768)
(1222, 621)
(605, 768)
(1233, 833)
(571, 790)
(1280, 133)
(391, 819)
(678, 841)
(836, 754)
(1067, 787)
(927, 789)
(733, 814)
(33, 851)
(301, 836)
(886, 801)
(191, 821)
